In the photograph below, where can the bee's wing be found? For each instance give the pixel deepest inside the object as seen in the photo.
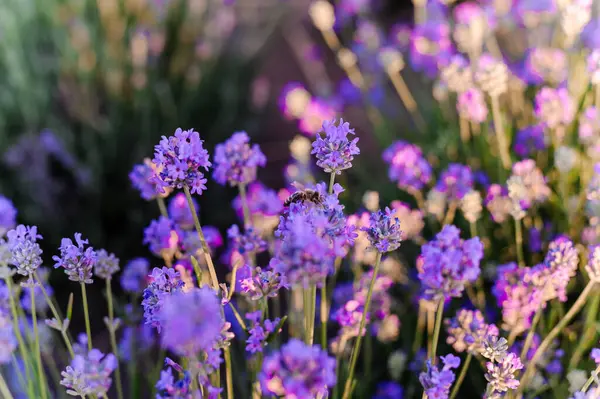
(298, 186)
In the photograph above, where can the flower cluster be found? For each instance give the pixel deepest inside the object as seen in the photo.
(334, 151)
(383, 231)
(455, 181)
(501, 374)
(106, 264)
(25, 251)
(407, 166)
(436, 382)
(236, 161)
(468, 331)
(89, 374)
(259, 331)
(163, 283)
(77, 259)
(262, 283)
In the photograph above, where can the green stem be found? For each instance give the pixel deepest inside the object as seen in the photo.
(500, 134)
(56, 315)
(461, 376)
(590, 380)
(361, 329)
(306, 311)
(541, 350)
(338, 364)
(531, 333)
(162, 207)
(313, 311)
(4, 388)
(38, 353)
(436, 330)
(17, 330)
(228, 373)
(209, 262)
(245, 208)
(519, 242)
(86, 314)
(113, 339)
(324, 314)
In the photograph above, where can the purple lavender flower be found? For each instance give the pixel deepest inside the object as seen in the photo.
(436, 382)
(545, 64)
(468, 331)
(140, 339)
(535, 188)
(348, 317)
(471, 105)
(179, 211)
(595, 355)
(26, 254)
(498, 203)
(260, 331)
(163, 283)
(449, 263)
(106, 264)
(77, 260)
(455, 181)
(554, 107)
(383, 231)
(408, 168)
(133, 278)
(262, 283)
(8, 342)
(181, 156)
(501, 375)
(335, 152)
(261, 201)
(593, 66)
(247, 243)
(162, 236)
(431, 46)
(8, 215)
(143, 178)
(530, 140)
(236, 161)
(191, 242)
(191, 321)
(388, 390)
(169, 388)
(298, 370)
(589, 125)
(89, 374)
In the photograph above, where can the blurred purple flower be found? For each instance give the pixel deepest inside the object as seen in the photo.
(180, 213)
(408, 168)
(530, 140)
(106, 264)
(471, 105)
(133, 278)
(545, 65)
(248, 243)
(436, 382)
(535, 188)
(589, 125)
(259, 331)
(468, 331)
(89, 374)
(236, 161)
(162, 236)
(388, 390)
(431, 47)
(455, 181)
(143, 178)
(163, 283)
(554, 107)
(8, 215)
(498, 203)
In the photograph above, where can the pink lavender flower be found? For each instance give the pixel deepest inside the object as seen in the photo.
(77, 259)
(498, 203)
(236, 161)
(388, 390)
(106, 264)
(529, 140)
(431, 46)
(133, 278)
(262, 283)
(334, 152)
(181, 157)
(449, 263)
(408, 167)
(163, 283)
(89, 374)
(259, 331)
(348, 317)
(316, 112)
(554, 107)
(191, 321)
(593, 66)
(436, 382)
(468, 331)
(162, 236)
(383, 231)
(535, 188)
(298, 370)
(143, 178)
(501, 375)
(455, 181)
(471, 105)
(545, 64)
(25, 252)
(249, 242)
(180, 213)
(8, 215)
(589, 125)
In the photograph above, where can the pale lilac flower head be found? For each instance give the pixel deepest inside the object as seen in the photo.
(163, 283)
(180, 213)
(534, 182)
(545, 65)
(77, 259)
(431, 46)
(181, 157)
(106, 264)
(554, 107)
(530, 140)
(501, 375)
(589, 125)
(191, 321)
(449, 263)
(133, 278)
(247, 243)
(297, 371)
(455, 181)
(408, 168)
(143, 177)
(498, 203)
(436, 382)
(593, 66)
(383, 231)
(334, 151)
(162, 236)
(8, 215)
(593, 264)
(411, 220)
(262, 283)
(468, 331)
(89, 374)
(471, 105)
(457, 75)
(236, 162)
(25, 252)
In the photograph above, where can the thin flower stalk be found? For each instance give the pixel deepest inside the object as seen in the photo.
(245, 208)
(162, 207)
(86, 314)
(500, 134)
(436, 330)
(590, 380)
(38, 353)
(519, 242)
(461, 376)
(113, 338)
(4, 390)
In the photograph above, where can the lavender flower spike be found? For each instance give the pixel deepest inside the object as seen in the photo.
(25, 252)
(335, 152)
(89, 374)
(501, 375)
(8, 215)
(77, 260)
(106, 265)
(383, 231)
(236, 161)
(436, 382)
